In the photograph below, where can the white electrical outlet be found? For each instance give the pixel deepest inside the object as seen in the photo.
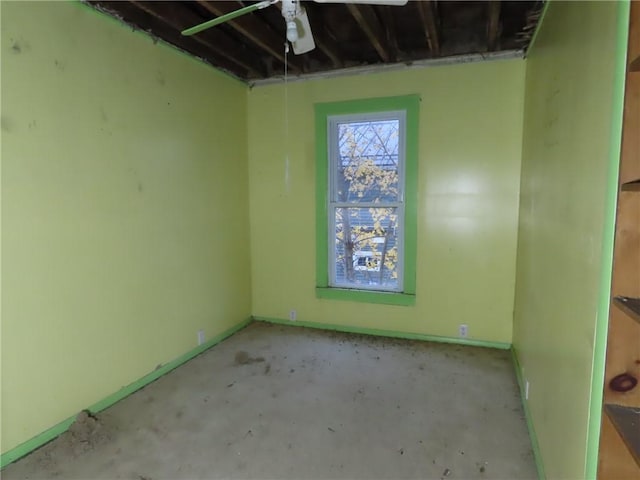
(526, 390)
(463, 330)
(293, 315)
(201, 339)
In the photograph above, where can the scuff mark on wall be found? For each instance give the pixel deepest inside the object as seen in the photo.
(6, 125)
(19, 46)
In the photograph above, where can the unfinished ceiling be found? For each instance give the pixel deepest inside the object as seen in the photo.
(251, 47)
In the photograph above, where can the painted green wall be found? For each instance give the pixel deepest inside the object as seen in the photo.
(566, 162)
(468, 187)
(124, 209)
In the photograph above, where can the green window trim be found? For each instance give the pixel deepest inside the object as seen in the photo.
(410, 104)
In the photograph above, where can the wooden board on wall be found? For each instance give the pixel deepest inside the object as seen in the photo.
(626, 257)
(623, 343)
(624, 333)
(617, 464)
(630, 167)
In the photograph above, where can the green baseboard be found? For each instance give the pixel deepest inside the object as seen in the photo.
(386, 333)
(51, 433)
(527, 413)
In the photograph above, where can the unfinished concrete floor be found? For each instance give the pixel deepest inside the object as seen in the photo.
(277, 402)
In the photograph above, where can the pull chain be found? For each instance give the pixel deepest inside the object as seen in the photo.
(286, 116)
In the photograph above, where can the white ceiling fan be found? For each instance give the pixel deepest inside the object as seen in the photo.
(295, 16)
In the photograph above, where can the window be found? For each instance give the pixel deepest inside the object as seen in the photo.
(366, 194)
(366, 191)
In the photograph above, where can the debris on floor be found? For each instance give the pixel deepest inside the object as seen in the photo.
(378, 414)
(85, 433)
(243, 358)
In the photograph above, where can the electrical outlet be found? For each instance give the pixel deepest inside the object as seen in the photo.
(293, 315)
(201, 339)
(463, 330)
(526, 390)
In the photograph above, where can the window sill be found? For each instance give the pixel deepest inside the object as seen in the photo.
(366, 296)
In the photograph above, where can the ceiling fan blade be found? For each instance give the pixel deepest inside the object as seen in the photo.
(229, 16)
(305, 41)
(393, 3)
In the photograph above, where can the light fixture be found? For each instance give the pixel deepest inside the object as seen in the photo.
(292, 31)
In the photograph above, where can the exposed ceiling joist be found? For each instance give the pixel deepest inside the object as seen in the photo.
(368, 22)
(214, 39)
(159, 29)
(254, 29)
(390, 29)
(328, 47)
(428, 16)
(493, 24)
(251, 46)
(325, 43)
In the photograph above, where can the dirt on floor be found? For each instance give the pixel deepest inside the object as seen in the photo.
(86, 433)
(293, 403)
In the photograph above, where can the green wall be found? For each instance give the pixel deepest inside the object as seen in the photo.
(468, 187)
(567, 159)
(124, 209)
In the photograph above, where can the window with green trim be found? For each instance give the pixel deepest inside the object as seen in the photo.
(366, 193)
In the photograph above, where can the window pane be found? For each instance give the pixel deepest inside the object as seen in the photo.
(367, 169)
(366, 248)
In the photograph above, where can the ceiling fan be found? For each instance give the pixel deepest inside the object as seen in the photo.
(295, 16)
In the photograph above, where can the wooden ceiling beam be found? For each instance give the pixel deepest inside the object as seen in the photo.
(324, 42)
(255, 30)
(216, 40)
(493, 24)
(328, 47)
(428, 16)
(390, 29)
(134, 17)
(369, 24)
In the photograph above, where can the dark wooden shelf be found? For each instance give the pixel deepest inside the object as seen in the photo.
(634, 66)
(629, 305)
(631, 186)
(627, 423)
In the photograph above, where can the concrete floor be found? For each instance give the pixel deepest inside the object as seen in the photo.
(286, 402)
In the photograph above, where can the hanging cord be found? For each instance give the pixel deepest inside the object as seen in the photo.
(286, 115)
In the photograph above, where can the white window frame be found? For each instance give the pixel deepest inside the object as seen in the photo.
(333, 204)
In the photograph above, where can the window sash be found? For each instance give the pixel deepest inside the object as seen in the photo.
(333, 282)
(334, 155)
